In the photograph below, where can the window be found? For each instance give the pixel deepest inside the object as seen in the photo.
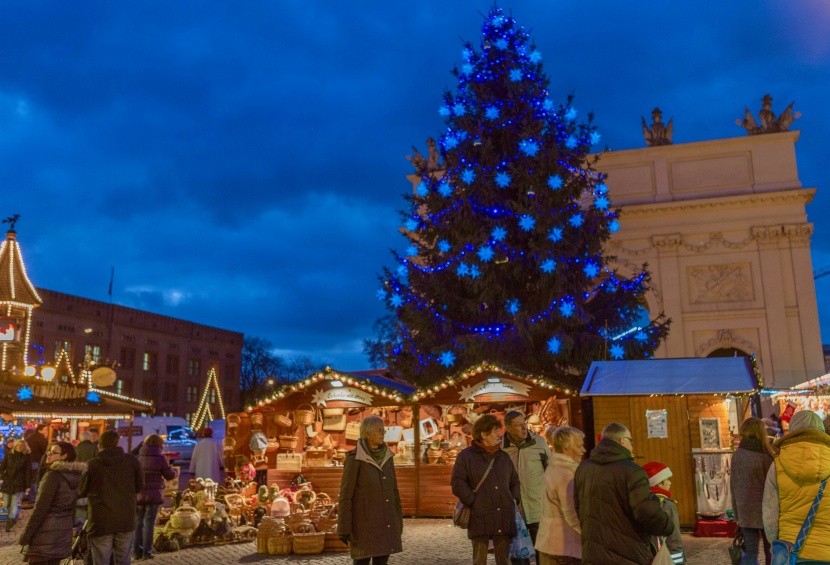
(63, 345)
(170, 392)
(92, 354)
(212, 396)
(194, 367)
(172, 364)
(119, 386)
(127, 357)
(150, 362)
(192, 393)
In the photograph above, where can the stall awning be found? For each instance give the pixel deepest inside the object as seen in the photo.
(670, 376)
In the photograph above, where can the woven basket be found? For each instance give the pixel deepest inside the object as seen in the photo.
(304, 416)
(309, 543)
(267, 528)
(333, 543)
(282, 420)
(288, 442)
(280, 544)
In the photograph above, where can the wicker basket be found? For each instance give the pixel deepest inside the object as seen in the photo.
(333, 543)
(283, 420)
(317, 458)
(280, 544)
(288, 441)
(309, 543)
(303, 416)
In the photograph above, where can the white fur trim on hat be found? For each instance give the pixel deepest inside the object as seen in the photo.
(659, 477)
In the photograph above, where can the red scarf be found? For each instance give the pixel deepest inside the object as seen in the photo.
(658, 490)
(489, 450)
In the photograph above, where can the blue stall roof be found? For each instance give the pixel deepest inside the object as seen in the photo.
(670, 376)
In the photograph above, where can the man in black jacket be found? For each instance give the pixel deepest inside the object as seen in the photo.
(110, 484)
(617, 511)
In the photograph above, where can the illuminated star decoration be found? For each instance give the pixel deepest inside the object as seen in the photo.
(601, 202)
(411, 224)
(512, 306)
(459, 109)
(491, 113)
(617, 351)
(576, 220)
(527, 222)
(502, 179)
(444, 246)
(591, 269)
(595, 137)
(554, 345)
(567, 309)
(555, 182)
(640, 336)
(381, 294)
(614, 226)
(485, 253)
(548, 266)
(571, 142)
(529, 147)
(535, 56)
(93, 397)
(25, 393)
(501, 43)
(474, 272)
(447, 359)
(498, 233)
(450, 142)
(444, 189)
(411, 251)
(516, 75)
(443, 111)
(570, 114)
(555, 234)
(396, 300)
(462, 270)
(319, 397)
(467, 176)
(421, 190)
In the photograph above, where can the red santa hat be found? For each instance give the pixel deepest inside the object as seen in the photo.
(657, 472)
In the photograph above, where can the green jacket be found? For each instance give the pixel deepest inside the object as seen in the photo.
(530, 459)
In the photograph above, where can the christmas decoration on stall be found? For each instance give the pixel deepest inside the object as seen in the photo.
(204, 414)
(505, 231)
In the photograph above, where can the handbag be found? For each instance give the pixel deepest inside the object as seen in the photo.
(786, 553)
(353, 430)
(521, 546)
(461, 512)
(334, 422)
(737, 546)
(663, 556)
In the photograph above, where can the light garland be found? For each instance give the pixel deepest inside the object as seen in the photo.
(41, 415)
(203, 411)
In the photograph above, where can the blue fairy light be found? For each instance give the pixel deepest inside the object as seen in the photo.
(591, 269)
(547, 104)
(93, 397)
(485, 253)
(421, 190)
(614, 226)
(555, 234)
(443, 111)
(466, 69)
(411, 224)
(444, 246)
(474, 272)
(576, 220)
(548, 266)
(555, 182)
(502, 43)
(498, 20)
(554, 345)
(567, 308)
(491, 113)
(527, 222)
(396, 300)
(617, 351)
(601, 202)
(571, 142)
(570, 114)
(444, 189)
(512, 306)
(502, 179)
(447, 359)
(466, 53)
(25, 393)
(411, 251)
(462, 270)
(450, 142)
(601, 188)
(595, 137)
(529, 147)
(459, 109)
(498, 233)
(467, 176)
(515, 75)
(641, 336)
(535, 56)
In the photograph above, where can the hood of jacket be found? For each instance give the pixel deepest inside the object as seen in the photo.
(805, 455)
(609, 451)
(111, 456)
(69, 466)
(361, 454)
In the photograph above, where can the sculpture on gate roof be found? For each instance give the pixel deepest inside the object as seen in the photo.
(769, 122)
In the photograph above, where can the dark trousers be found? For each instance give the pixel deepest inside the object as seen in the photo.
(377, 560)
(532, 529)
(501, 550)
(751, 538)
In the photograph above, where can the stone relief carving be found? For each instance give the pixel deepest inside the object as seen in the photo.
(726, 339)
(730, 282)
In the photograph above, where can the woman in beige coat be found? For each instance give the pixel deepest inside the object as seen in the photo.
(559, 541)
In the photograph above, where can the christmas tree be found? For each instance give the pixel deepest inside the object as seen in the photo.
(505, 231)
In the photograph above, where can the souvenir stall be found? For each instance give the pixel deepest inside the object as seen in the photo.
(446, 411)
(810, 395)
(683, 413)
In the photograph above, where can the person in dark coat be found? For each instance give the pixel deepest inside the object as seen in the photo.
(15, 472)
(493, 507)
(750, 463)
(36, 439)
(617, 511)
(47, 537)
(110, 484)
(86, 449)
(370, 518)
(156, 470)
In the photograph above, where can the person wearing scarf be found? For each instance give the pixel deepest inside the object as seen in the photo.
(370, 519)
(750, 463)
(492, 508)
(659, 479)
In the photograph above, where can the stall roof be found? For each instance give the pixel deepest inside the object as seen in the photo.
(670, 376)
(382, 377)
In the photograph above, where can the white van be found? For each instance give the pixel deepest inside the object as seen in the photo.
(175, 431)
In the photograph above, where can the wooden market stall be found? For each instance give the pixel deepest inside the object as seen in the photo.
(811, 395)
(681, 412)
(447, 410)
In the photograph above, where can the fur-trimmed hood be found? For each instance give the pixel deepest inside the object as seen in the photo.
(69, 466)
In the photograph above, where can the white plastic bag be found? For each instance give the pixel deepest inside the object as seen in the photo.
(521, 546)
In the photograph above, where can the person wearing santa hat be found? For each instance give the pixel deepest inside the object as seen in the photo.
(659, 479)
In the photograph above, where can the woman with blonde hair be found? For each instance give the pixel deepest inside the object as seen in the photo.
(559, 541)
(15, 471)
(750, 463)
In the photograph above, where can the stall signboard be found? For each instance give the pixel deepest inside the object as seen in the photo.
(342, 394)
(657, 423)
(494, 389)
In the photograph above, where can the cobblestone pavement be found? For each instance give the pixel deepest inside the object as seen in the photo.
(425, 541)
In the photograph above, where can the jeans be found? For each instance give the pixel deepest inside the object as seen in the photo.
(111, 546)
(35, 481)
(751, 538)
(376, 560)
(532, 529)
(501, 550)
(145, 522)
(12, 502)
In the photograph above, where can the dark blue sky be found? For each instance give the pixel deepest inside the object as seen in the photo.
(241, 164)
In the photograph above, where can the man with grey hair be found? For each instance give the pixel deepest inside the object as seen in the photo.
(617, 511)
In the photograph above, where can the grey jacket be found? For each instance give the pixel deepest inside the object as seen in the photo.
(530, 459)
(749, 471)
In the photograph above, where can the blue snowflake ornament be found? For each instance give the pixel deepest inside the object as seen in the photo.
(617, 351)
(515, 75)
(447, 359)
(554, 345)
(576, 220)
(412, 251)
(411, 224)
(502, 44)
(498, 233)
(466, 53)
(444, 189)
(535, 56)
(548, 266)
(555, 182)
(527, 222)
(601, 202)
(468, 176)
(641, 336)
(555, 234)
(450, 141)
(474, 272)
(381, 294)
(422, 189)
(93, 397)
(571, 142)
(443, 111)
(570, 114)
(459, 109)
(396, 300)
(25, 393)
(614, 226)
(462, 270)
(595, 137)
(491, 113)
(567, 308)
(591, 269)
(547, 104)
(601, 188)
(485, 253)
(444, 246)
(529, 147)
(502, 179)
(512, 306)
(466, 69)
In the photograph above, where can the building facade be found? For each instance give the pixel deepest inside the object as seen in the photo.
(723, 227)
(157, 358)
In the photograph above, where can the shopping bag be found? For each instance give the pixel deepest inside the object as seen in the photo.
(521, 547)
(782, 552)
(736, 548)
(663, 556)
